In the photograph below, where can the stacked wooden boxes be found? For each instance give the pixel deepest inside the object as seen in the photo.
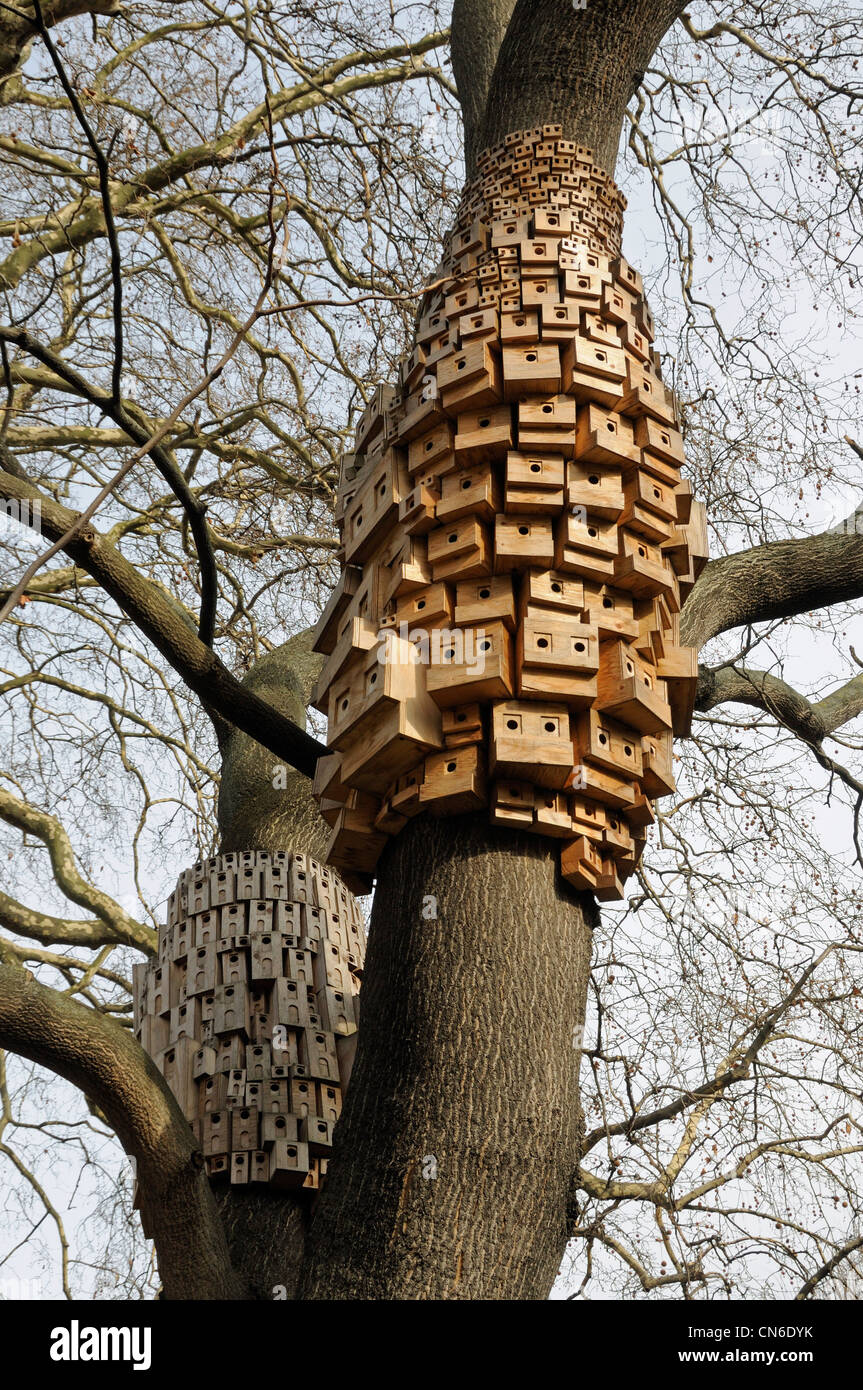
(517, 542)
(250, 1008)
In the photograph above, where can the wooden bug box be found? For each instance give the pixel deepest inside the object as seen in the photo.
(485, 600)
(454, 781)
(417, 507)
(639, 569)
(473, 491)
(658, 776)
(606, 438)
(477, 665)
(557, 659)
(531, 368)
(429, 450)
(520, 327)
(462, 725)
(523, 541)
(428, 607)
(550, 590)
(631, 690)
(551, 814)
(534, 483)
(483, 435)
(596, 489)
(511, 803)
(460, 549)
(581, 864)
(608, 745)
(531, 741)
(587, 546)
(679, 669)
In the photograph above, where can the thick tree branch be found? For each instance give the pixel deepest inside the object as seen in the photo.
(18, 28)
(162, 622)
(117, 926)
(776, 580)
(478, 28)
(41, 926)
(95, 1054)
(827, 1268)
(810, 720)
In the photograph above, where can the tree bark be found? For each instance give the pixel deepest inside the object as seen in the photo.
(575, 67)
(478, 27)
(776, 580)
(467, 1068)
(253, 813)
(266, 1229)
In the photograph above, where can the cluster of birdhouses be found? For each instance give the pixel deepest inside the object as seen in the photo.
(517, 542)
(250, 1009)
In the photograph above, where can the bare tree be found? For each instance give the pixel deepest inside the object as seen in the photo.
(218, 224)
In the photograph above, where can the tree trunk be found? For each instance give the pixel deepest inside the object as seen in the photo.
(574, 66)
(460, 1133)
(455, 1153)
(265, 1228)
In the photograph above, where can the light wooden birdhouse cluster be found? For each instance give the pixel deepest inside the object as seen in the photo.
(250, 1008)
(517, 542)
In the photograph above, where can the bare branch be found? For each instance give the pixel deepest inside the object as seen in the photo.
(101, 1059)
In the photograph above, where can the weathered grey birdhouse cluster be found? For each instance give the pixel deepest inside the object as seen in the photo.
(517, 542)
(250, 1009)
